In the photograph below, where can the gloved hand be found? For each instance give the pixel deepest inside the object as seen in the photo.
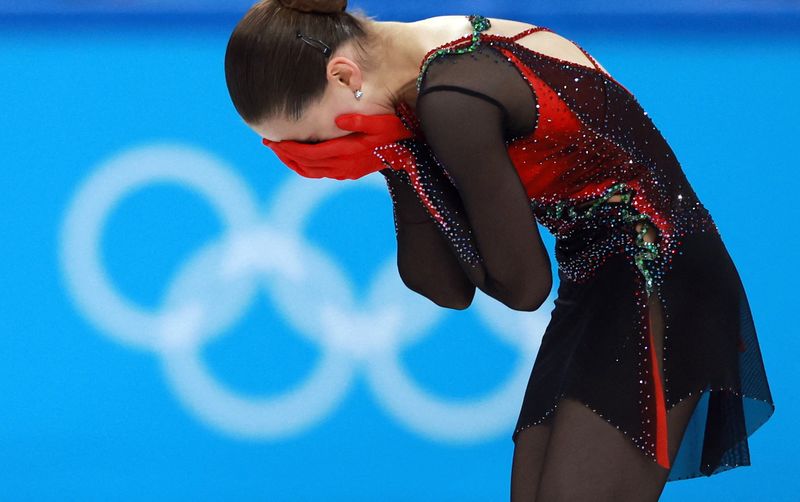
(351, 156)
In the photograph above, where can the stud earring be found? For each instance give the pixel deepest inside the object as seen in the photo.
(358, 94)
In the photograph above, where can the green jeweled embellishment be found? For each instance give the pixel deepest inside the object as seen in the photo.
(479, 24)
(648, 251)
(566, 206)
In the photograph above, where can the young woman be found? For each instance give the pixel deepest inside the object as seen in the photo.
(482, 128)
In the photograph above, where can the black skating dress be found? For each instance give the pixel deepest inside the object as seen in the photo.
(506, 137)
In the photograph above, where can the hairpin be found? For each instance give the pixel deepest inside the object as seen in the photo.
(315, 43)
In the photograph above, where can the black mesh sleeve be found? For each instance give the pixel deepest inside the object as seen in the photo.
(468, 106)
(425, 261)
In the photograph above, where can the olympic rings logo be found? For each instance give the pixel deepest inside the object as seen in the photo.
(211, 290)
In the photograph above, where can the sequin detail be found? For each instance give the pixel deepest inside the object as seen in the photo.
(479, 24)
(413, 162)
(592, 141)
(639, 441)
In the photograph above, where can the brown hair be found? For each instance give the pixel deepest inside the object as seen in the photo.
(270, 71)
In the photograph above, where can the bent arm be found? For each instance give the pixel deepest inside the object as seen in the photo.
(425, 262)
(466, 133)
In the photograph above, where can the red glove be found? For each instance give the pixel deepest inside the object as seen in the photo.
(351, 156)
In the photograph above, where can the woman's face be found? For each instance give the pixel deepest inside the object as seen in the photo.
(317, 123)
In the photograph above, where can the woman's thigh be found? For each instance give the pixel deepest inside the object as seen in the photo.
(529, 453)
(588, 459)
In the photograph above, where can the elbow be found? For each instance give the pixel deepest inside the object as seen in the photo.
(455, 303)
(451, 298)
(526, 303)
(528, 296)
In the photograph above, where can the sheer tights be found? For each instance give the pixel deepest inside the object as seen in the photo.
(575, 455)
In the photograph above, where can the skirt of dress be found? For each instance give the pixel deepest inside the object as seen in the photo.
(594, 350)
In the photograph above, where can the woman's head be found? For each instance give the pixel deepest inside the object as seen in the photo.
(292, 66)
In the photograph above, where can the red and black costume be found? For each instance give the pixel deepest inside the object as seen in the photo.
(505, 137)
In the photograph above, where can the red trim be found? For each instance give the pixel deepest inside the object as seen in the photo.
(528, 32)
(424, 196)
(410, 165)
(662, 455)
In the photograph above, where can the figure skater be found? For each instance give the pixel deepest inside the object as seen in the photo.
(649, 369)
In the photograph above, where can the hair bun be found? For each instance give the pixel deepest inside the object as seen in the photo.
(319, 6)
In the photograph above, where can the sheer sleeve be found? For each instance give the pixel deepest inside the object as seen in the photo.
(426, 263)
(468, 106)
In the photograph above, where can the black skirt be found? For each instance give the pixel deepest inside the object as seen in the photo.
(596, 348)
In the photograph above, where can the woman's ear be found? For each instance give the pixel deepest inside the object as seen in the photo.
(343, 71)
